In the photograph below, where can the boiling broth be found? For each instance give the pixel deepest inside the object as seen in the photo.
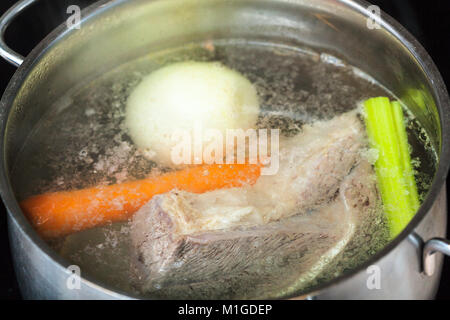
(82, 142)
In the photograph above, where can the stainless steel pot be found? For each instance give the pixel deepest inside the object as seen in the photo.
(116, 31)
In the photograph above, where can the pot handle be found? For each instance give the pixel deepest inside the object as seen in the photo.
(430, 248)
(6, 52)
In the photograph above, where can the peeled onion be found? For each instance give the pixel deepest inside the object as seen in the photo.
(184, 95)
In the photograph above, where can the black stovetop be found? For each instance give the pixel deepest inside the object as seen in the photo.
(429, 21)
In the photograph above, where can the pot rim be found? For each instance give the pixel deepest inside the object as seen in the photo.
(359, 6)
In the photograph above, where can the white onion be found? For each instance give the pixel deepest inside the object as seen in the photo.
(183, 95)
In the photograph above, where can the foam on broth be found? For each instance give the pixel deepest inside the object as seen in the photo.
(82, 142)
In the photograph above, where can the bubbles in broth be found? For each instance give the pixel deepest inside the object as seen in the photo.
(82, 142)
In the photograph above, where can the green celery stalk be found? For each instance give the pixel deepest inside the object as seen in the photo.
(387, 133)
(405, 156)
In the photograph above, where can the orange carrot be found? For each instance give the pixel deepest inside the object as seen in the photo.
(60, 213)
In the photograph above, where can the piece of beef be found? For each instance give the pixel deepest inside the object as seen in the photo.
(224, 239)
